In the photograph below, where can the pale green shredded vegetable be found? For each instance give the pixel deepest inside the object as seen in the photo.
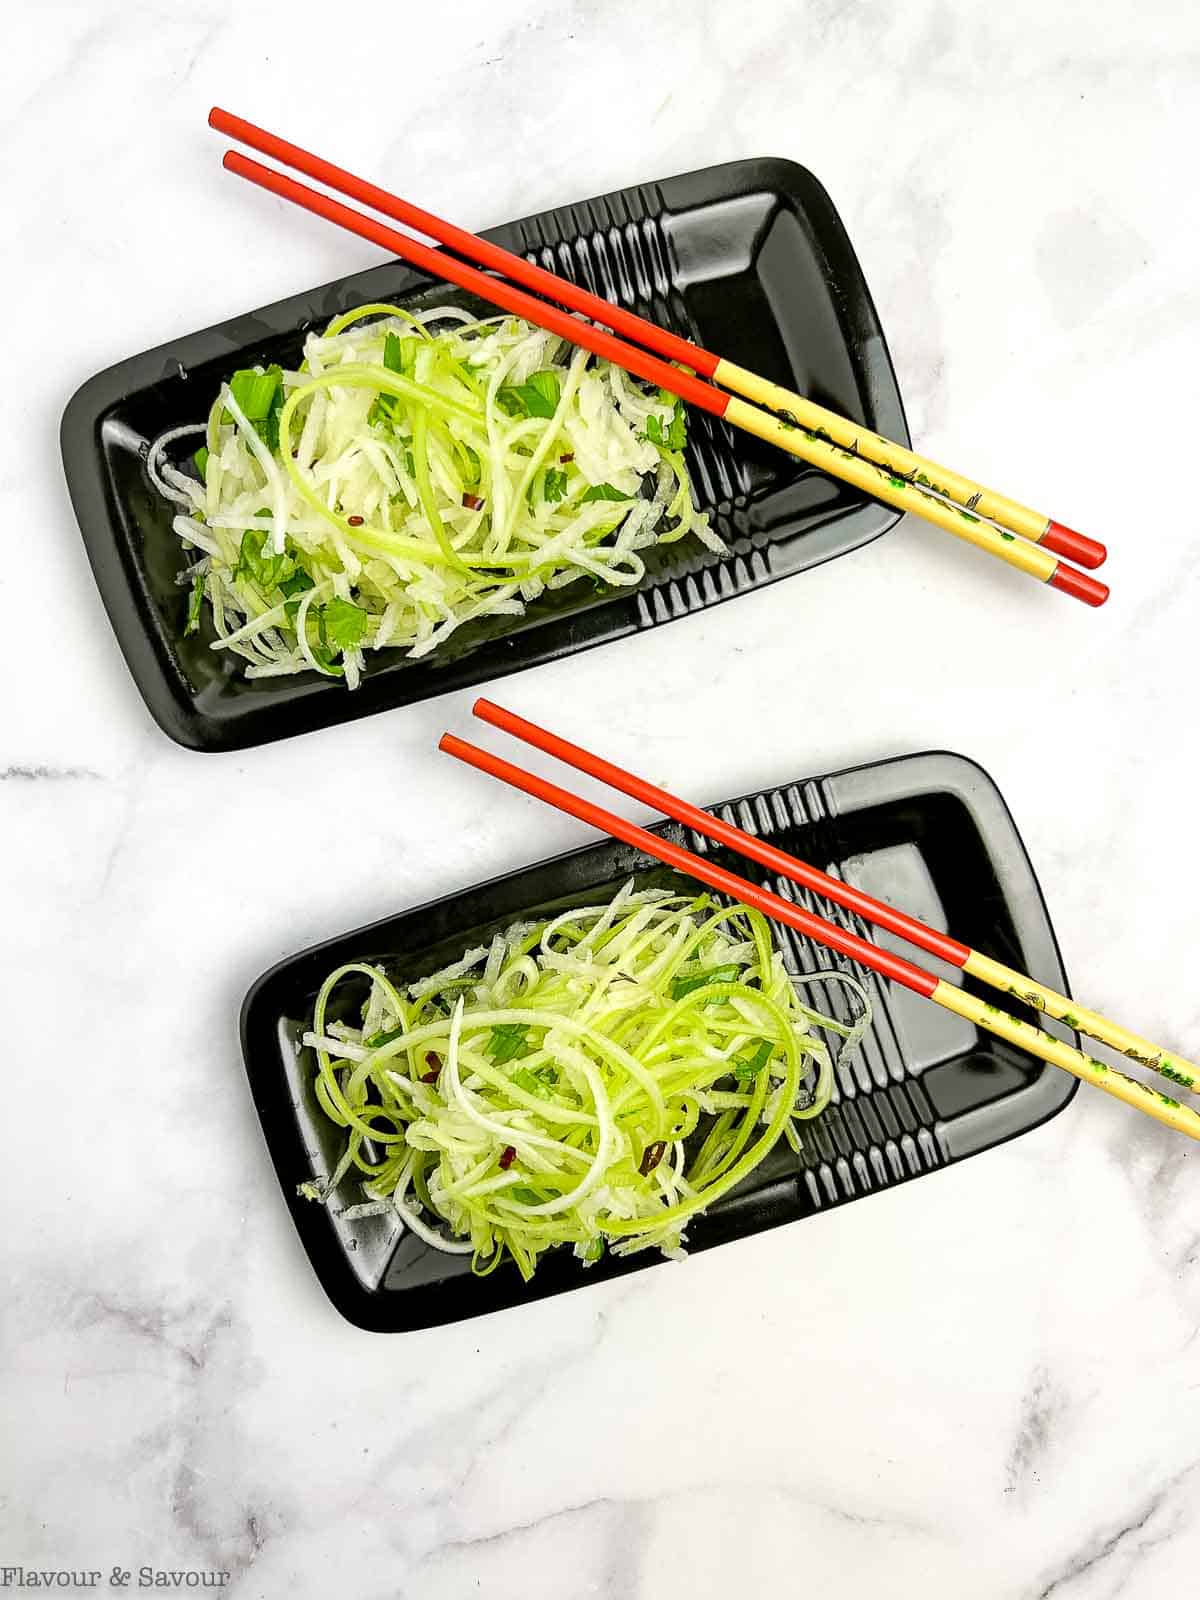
(416, 473)
(595, 1081)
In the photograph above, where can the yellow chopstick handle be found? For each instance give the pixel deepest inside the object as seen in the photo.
(851, 436)
(864, 475)
(998, 976)
(1141, 1096)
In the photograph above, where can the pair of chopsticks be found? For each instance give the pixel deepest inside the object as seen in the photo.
(982, 1013)
(1024, 538)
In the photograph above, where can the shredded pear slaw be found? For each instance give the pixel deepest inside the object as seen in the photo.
(594, 1080)
(415, 473)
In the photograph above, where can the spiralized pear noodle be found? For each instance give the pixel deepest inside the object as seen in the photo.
(593, 1080)
(427, 470)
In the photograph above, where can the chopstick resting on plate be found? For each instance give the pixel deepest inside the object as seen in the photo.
(1015, 534)
(973, 962)
(983, 1014)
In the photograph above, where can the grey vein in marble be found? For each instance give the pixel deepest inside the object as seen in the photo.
(34, 774)
(1099, 1550)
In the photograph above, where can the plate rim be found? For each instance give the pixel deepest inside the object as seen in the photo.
(149, 654)
(366, 1308)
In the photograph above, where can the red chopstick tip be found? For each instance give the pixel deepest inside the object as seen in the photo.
(1078, 547)
(1077, 584)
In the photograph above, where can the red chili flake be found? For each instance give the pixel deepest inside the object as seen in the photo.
(507, 1156)
(651, 1156)
(355, 522)
(570, 456)
(434, 1063)
(472, 502)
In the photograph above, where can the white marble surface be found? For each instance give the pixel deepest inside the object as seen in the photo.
(985, 1384)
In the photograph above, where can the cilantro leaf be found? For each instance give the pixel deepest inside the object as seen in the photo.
(324, 659)
(555, 485)
(258, 564)
(669, 435)
(604, 491)
(249, 554)
(541, 394)
(536, 398)
(293, 588)
(322, 653)
(345, 623)
(527, 1196)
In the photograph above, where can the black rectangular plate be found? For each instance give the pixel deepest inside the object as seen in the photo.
(749, 258)
(929, 833)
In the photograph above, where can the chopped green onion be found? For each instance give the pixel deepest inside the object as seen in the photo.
(700, 980)
(748, 1067)
(378, 1040)
(260, 398)
(195, 601)
(509, 1043)
(532, 1083)
(254, 391)
(393, 355)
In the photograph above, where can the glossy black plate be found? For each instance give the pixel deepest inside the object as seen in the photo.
(929, 833)
(749, 258)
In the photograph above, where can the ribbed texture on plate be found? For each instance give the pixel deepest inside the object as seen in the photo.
(879, 1128)
(617, 248)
